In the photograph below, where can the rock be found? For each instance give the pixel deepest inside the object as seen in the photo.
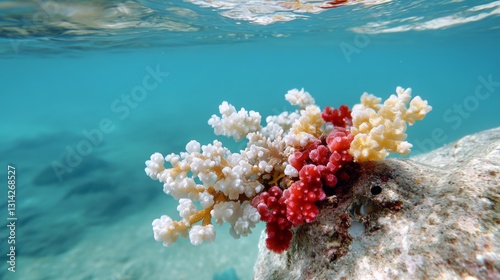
(436, 216)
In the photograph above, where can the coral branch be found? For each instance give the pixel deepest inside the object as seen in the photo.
(302, 195)
(380, 129)
(338, 117)
(273, 210)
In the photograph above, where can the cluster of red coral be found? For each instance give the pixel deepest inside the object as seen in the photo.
(318, 165)
(272, 209)
(340, 117)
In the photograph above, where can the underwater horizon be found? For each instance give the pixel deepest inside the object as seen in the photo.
(90, 89)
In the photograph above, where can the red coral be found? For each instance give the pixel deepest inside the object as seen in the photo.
(319, 155)
(272, 209)
(338, 117)
(298, 159)
(339, 141)
(318, 165)
(329, 157)
(277, 240)
(301, 158)
(300, 198)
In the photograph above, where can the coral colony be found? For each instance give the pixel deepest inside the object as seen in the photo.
(285, 168)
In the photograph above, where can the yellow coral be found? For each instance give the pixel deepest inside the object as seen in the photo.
(379, 129)
(307, 126)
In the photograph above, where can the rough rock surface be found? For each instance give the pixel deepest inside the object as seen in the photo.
(436, 216)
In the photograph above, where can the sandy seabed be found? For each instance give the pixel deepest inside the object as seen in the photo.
(127, 250)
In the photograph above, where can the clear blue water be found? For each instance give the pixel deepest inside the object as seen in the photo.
(67, 69)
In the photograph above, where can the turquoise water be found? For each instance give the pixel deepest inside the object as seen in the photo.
(68, 73)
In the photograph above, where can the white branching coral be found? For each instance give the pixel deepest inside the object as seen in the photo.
(234, 124)
(166, 230)
(154, 166)
(246, 221)
(211, 175)
(379, 129)
(301, 98)
(242, 217)
(186, 209)
(223, 183)
(198, 234)
(278, 125)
